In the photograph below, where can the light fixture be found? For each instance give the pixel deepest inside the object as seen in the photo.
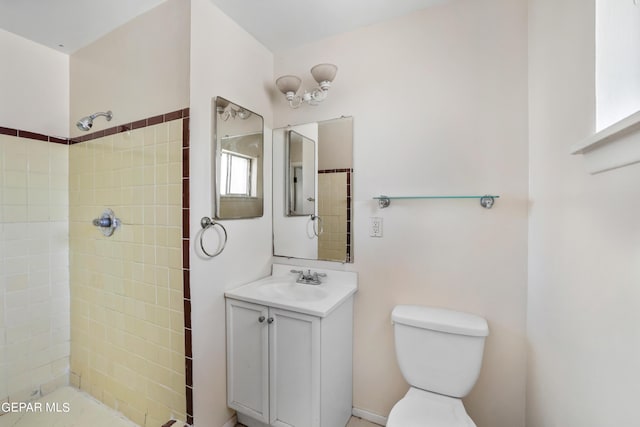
(289, 85)
(226, 111)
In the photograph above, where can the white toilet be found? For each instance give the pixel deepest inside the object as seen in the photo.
(440, 353)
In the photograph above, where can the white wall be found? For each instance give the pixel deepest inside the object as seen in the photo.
(617, 60)
(34, 87)
(139, 70)
(225, 61)
(438, 100)
(584, 239)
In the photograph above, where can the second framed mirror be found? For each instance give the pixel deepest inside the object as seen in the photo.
(238, 161)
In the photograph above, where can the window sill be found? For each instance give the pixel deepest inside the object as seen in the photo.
(613, 147)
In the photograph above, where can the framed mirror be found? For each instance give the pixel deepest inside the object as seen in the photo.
(312, 190)
(238, 182)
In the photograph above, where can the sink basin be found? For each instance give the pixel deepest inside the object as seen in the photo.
(290, 290)
(280, 290)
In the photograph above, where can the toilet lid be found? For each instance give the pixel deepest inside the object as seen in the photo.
(419, 408)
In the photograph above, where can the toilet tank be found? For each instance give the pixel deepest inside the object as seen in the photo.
(439, 350)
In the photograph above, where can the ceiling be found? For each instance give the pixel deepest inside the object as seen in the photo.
(68, 25)
(282, 24)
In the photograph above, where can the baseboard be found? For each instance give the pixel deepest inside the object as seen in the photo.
(232, 422)
(369, 416)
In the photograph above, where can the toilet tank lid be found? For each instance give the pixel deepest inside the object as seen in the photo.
(440, 319)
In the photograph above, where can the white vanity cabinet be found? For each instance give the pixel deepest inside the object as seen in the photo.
(287, 368)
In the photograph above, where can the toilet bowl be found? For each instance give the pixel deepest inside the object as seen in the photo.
(420, 408)
(439, 352)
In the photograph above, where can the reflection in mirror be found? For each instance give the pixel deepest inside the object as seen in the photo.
(313, 221)
(301, 174)
(238, 159)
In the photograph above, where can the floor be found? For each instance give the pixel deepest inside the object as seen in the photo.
(354, 422)
(65, 407)
(359, 422)
(69, 407)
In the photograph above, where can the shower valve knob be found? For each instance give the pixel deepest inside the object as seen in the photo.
(102, 222)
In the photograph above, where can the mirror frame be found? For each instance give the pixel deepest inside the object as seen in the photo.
(216, 153)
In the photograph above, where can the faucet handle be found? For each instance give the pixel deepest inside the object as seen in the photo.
(296, 271)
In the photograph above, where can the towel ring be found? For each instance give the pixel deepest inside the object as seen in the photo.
(207, 223)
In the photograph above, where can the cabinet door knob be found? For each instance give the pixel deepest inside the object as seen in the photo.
(261, 319)
(270, 320)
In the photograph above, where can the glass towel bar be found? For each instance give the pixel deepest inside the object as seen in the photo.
(486, 201)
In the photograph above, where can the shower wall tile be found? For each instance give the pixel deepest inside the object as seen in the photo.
(34, 267)
(127, 325)
(332, 208)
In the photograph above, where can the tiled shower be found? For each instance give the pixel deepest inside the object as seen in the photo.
(108, 315)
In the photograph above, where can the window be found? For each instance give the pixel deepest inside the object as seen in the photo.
(238, 174)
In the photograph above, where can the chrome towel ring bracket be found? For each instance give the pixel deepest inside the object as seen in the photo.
(208, 223)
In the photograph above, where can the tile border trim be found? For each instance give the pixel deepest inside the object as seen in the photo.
(19, 133)
(125, 127)
(138, 124)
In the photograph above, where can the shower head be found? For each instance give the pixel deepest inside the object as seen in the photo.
(86, 123)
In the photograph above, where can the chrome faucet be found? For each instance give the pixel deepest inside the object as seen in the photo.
(308, 278)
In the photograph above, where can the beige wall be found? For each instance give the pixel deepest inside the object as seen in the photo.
(34, 87)
(439, 101)
(127, 325)
(225, 61)
(583, 294)
(335, 147)
(139, 70)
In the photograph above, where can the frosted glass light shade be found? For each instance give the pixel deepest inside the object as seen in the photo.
(288, 84)
(324, 72)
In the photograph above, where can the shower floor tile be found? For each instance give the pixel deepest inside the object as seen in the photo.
(81, 410)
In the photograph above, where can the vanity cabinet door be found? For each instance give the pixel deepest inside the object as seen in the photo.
(248, 359)
(294, 347)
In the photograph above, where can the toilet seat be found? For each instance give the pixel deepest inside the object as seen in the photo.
(420, 408)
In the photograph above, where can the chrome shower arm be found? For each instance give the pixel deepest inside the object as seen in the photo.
(107, 114)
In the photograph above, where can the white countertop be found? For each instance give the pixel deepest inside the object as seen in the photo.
(280, 290)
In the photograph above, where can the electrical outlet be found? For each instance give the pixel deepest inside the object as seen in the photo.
(375, 227)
